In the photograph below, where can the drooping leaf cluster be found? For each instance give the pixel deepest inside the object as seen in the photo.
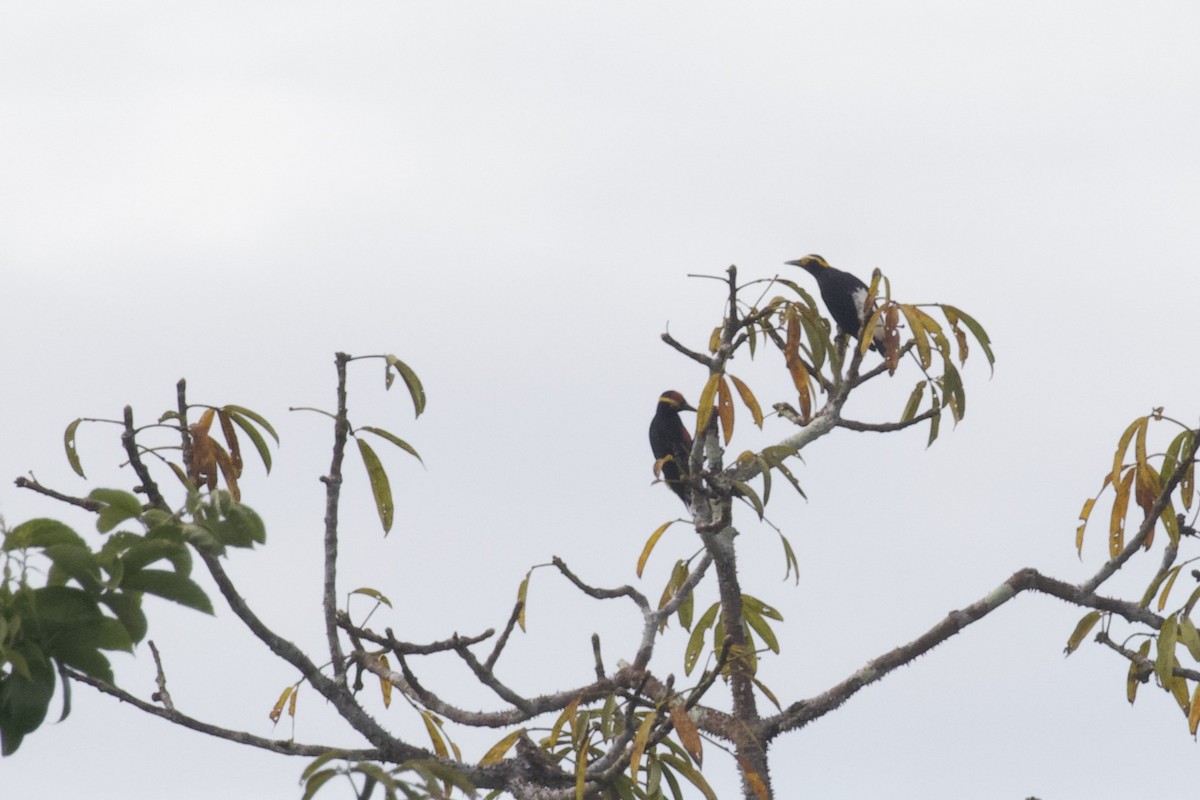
(1158, 490)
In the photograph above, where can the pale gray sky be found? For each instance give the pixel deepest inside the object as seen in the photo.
(510, 197)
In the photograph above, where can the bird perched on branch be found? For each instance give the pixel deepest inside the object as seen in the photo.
(844, 296)
(670, 437)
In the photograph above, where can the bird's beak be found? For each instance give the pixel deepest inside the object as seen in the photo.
(799, 262)
(686, 407)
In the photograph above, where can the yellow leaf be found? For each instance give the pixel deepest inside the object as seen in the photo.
(792, 344)
(1081, 630)
(231, 440)
(639, 745)
(498, 750)
(1083, 515)
(567, 715)
(581, 768)
(653, 540)
(522, 592)
(1122, 446)
(435, 736)
(725, 409)
(920, 335)
(283, 698)
(385, 686)
(704, 408)
(1131, 681)
(292, 702)
(685, 728)
(750, 401)
(1171, 576)
(714, 340)
(1116, 527)
(1194, 711)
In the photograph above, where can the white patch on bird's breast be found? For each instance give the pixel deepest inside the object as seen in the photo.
(860, 298)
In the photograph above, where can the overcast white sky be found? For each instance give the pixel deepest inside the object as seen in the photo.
(510, 197)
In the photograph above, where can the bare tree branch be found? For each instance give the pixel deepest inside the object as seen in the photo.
(333, 491)
(241, 737)
(148, 486)
(82, 502)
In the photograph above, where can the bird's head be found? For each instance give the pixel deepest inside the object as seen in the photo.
(674, 400)
(811, 263)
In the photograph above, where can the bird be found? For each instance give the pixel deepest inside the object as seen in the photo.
(844, 296)
(670, 437)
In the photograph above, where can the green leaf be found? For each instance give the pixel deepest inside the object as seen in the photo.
(24, 700)
(118, 507)
(762, 608)
(956, 395)
(77, 562)
(789, 556)
(85, 658)
(1170, 581)
(320, 760)
(381, 488)
(260, 444)
(235, 525)
(316, 781)
(396, 440)
(258, 418)
(696, 641)
(148, 550)
(373, 593)
(750, 495)
(762, 687)
(1190, 637)
(685, 769)
(41, 532)
(760, 626)
(69, 444)
(169, 586)
(914, 402)
(934, 423)
(415, 389)
(954, 315)
(1168, 635)
(688, 604)
(128, 609)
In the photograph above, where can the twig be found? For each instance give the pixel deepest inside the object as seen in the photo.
(162, 695)
(692, 354)
(241, 737)
(32, 484)
(887, 427)
(135, 460)
(503, 640)
(602, 594)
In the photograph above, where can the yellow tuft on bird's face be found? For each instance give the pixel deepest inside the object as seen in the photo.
(675, 400)
(810, 262)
